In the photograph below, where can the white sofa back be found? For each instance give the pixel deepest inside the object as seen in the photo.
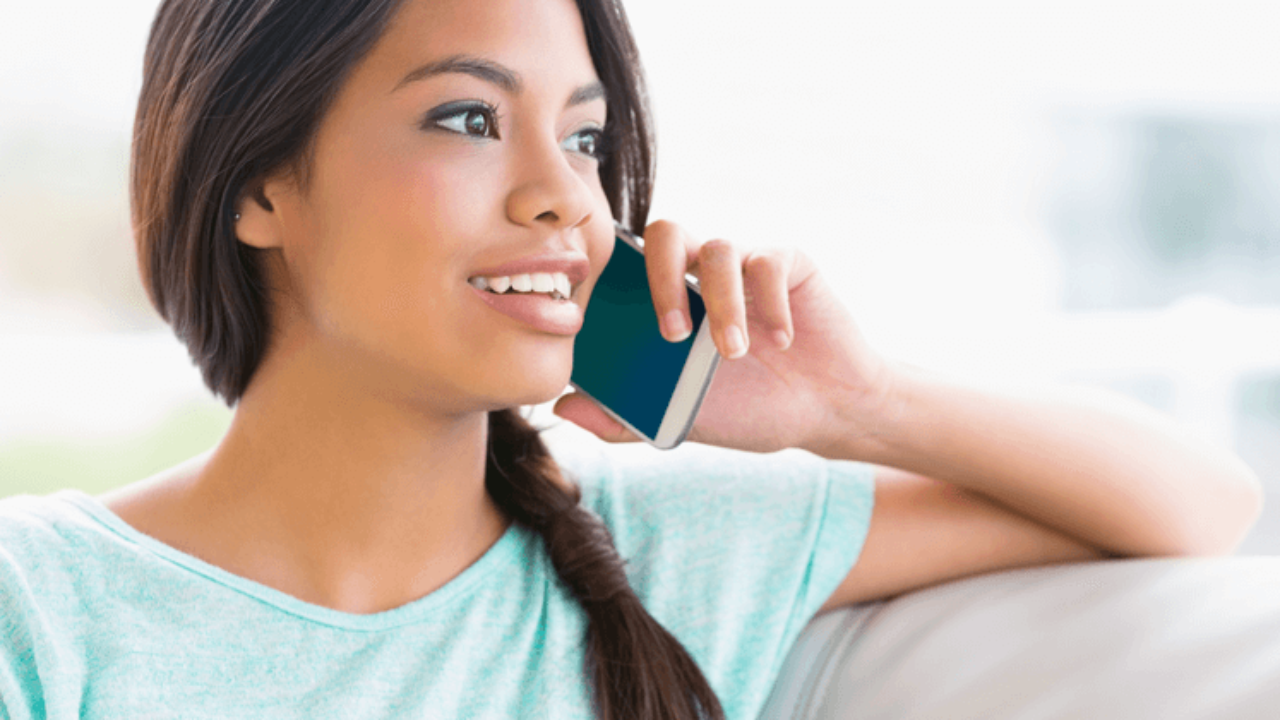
(1126, 639)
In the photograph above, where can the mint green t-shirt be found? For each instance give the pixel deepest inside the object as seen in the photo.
(732, 552)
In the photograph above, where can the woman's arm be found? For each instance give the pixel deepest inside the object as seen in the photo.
(1105, 472)
(987, 480)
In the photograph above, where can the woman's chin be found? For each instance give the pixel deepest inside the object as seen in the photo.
(521, 388)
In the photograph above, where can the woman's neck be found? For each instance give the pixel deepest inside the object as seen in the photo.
(328, 492)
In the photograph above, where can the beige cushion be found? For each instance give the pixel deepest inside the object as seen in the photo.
(1152, 638)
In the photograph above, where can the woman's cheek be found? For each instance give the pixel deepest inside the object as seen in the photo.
(453, 200)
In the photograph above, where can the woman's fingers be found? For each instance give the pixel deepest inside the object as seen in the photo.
(719, 271)
(666, 259)
(729, 284)
(766, 273)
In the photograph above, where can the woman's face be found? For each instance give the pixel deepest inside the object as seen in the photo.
(462, 143)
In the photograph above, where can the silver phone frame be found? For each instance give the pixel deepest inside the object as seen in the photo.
(695, 377)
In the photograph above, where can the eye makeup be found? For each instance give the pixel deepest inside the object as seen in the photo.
(473, 118)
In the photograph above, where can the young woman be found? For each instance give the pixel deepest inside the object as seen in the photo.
(380, 534)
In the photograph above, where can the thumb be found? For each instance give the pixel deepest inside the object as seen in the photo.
(585, 413)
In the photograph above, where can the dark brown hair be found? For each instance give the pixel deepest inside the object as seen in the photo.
(233, 91)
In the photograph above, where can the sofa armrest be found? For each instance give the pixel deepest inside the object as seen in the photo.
(1138, 638)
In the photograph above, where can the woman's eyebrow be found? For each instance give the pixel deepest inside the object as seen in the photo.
(586, 94)
(492, 72)
(487, 70)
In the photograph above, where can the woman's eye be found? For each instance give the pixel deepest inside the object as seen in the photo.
(586, 142)
(473, 121)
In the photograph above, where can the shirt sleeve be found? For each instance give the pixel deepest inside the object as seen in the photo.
(733, 552)
(20, 695)
(33, 590)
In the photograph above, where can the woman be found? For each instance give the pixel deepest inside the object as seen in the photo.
(379, 534)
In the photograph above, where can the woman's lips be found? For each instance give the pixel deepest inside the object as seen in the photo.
(537, 310)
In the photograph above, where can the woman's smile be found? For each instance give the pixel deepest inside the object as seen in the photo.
(538, 291)
(537, 310)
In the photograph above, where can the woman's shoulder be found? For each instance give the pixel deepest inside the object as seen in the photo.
(70, 518)
(41, 523)
(48, 545)
(42, 530)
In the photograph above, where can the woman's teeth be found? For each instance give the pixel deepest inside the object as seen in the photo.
(555, 284)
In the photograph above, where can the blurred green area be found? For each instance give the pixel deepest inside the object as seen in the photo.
(44, 466)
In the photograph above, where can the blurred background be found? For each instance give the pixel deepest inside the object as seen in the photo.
(1009, 192)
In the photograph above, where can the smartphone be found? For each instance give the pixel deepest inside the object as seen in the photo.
(620, 359)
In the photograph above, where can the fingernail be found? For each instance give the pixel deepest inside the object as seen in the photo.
(733, 340)
(781, 339)
(677, 328)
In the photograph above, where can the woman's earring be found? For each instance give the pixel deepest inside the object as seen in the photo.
(236, 217)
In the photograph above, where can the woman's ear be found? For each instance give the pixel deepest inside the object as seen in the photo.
(258, 220)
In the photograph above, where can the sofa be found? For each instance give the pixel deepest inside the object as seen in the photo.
(1167, 638)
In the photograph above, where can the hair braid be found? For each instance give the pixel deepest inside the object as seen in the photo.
(639, 669)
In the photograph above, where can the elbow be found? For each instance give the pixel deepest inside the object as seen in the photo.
(1219, 528)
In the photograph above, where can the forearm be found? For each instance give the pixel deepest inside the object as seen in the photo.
(1115, 476)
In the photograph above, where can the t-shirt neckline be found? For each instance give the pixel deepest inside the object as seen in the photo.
(503, 554)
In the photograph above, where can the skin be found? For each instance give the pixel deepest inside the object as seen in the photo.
(352, 474)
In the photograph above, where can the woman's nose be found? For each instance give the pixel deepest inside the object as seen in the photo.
(549, 189)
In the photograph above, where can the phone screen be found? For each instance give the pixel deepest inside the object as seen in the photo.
(620, 357)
